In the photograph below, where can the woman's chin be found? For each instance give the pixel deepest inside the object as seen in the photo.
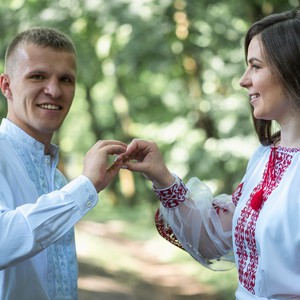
(259, 116)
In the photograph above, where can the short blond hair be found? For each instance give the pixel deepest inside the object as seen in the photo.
(41, 37)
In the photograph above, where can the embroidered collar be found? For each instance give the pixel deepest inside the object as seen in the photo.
(285, 149)
(25, 141)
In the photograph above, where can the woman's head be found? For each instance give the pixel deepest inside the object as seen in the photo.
(279, 35)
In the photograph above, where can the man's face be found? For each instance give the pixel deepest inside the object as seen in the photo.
(39, 87)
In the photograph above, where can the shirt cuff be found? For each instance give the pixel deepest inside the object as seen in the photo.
(173, 195)
(85, 194)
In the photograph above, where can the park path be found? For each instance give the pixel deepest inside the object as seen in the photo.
(116, 268)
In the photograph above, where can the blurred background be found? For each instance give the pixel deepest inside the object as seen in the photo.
(153, 69)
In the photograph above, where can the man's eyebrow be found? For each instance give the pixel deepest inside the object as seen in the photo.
(39, 71)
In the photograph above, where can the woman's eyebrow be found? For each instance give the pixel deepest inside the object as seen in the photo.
(253, 59)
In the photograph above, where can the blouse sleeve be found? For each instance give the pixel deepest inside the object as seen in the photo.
(191, 218)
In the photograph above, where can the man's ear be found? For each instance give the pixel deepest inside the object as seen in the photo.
(5, 86)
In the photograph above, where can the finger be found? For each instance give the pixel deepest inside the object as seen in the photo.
(113, 170)
(104, 143)
(134, 146)
(115, 166)
(122, 158)
(133, 166)
(114, 149)
(137, 149)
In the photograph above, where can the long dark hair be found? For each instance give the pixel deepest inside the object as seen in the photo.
(280, 38)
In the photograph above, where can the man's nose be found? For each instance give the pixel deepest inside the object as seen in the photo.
(53, 88)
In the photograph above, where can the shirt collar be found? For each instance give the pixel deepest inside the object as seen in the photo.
(20, 137)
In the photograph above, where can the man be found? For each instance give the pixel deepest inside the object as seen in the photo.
(38, 208)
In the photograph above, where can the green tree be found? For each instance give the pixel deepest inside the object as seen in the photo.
(162, 70)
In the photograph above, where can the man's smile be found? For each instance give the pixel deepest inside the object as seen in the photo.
(50, 106)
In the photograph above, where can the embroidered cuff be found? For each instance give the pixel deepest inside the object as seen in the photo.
(174, 195)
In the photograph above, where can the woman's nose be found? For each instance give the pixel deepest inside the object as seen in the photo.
(245, 81)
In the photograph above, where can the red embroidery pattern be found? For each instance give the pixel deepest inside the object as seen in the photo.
(170, 198)
(174, 195)
(219, 209)
(166, 231)
(237, 194)
(244, 234)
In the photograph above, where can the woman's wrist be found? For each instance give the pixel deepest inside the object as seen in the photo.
(173, 195)
(165, 182)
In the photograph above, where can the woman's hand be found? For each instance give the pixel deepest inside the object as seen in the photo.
(95, 165)
(144, 156)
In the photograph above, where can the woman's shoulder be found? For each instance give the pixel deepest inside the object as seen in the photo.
(261, 150)
(258, 154)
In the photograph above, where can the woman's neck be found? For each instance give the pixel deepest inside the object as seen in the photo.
(290, 135)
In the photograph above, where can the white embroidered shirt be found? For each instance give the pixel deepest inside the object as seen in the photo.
(38, 210)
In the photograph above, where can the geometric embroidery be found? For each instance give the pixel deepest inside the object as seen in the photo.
(61, 255)
(174, 195)
(244, 232)
(237, 194)
(166, 231)
(171, 197)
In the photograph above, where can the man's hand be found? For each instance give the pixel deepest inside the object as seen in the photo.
(95, 165)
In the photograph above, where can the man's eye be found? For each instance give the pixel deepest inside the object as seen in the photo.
(37, 77)
(67, 80)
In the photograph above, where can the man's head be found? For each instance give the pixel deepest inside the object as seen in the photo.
(41, 37)
(39, 81)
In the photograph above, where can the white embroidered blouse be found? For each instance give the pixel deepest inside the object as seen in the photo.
(259, 224)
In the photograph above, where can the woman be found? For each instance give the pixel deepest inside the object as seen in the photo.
(259, 223)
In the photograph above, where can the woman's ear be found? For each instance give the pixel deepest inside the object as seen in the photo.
(5, 86)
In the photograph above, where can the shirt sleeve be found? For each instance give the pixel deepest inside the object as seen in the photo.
(31, 227)
(201, 223)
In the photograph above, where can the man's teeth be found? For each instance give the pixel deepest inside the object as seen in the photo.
(50, 106)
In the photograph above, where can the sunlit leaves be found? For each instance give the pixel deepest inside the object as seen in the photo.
(155, 69)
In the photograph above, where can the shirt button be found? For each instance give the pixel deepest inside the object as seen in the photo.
(89, 203)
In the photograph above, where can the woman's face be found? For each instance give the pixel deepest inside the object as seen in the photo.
(266, 93)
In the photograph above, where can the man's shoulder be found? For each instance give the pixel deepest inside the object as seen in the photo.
(5, 145)
(7, 151)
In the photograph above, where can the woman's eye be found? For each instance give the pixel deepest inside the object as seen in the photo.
(255, 67)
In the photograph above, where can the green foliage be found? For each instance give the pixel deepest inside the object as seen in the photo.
(155, 69)
(162, 70)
